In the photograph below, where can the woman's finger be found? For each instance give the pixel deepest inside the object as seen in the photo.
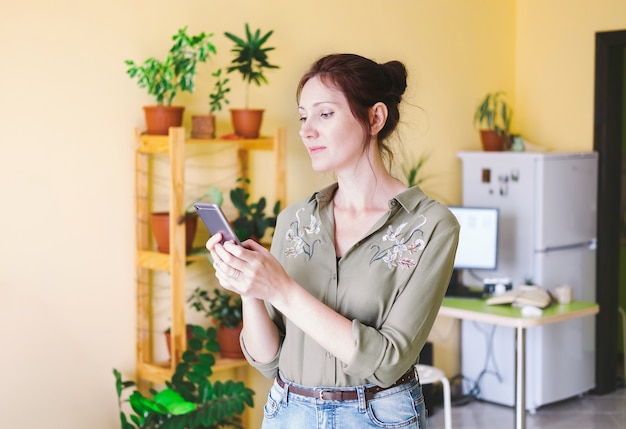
(233, 255)
(213, 240)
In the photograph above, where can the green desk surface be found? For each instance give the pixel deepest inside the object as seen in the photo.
(508, 315)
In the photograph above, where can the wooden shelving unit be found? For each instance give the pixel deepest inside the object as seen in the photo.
(149, 260)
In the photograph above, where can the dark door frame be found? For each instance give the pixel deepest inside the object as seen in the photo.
(607, 141)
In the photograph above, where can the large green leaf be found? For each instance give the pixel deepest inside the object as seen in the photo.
(173, 402)
(190, 400)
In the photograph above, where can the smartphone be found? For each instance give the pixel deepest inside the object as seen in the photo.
(215, 221)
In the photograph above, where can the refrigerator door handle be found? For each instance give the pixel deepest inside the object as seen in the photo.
(591, 245)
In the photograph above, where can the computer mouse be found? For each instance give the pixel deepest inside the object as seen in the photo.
(531, 311)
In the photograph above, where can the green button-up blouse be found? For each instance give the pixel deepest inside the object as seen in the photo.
(390, 284)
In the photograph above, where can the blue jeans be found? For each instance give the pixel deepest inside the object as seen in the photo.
(398, 407)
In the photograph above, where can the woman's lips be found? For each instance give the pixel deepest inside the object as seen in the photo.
(315, 149)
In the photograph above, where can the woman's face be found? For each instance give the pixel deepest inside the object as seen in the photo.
(329, 131)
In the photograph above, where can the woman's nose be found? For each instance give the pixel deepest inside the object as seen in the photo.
(306, 130)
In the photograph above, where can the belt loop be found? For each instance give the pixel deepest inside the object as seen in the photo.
(417, 375)
(360, 391)
(284, 399)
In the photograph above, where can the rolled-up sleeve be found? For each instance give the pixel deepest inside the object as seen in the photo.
(384, 353)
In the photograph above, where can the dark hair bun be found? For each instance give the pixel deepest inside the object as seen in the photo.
(397, 73)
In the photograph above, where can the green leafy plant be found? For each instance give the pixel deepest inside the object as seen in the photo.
(213, 194)
(163, 79)
(189, 400)
(494, 113)
(413, 170)
(224, 307)
(218, 96)
(252, 221)
(251, 57)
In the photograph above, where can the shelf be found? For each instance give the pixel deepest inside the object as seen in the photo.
(161, 144)
(161, 372)
(148, 260)
(154, 260)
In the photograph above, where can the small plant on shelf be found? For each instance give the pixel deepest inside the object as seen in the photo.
(203, 126)
(164, 79)
(251, 61)
(218, 96)
(189, 400)
(251, 57)
(252, 221)
(223, 307)
(161, 224)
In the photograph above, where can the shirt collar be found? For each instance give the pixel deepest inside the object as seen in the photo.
(408, 199)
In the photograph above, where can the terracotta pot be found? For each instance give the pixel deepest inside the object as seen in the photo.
(161, 230)
(159, 119)
(203, 126)
(228, 339)
(168, 339)
(247, 122)
(492, 141)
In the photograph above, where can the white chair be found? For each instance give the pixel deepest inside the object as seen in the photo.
(428, 375)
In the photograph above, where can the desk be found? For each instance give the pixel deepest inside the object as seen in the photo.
(507, 315)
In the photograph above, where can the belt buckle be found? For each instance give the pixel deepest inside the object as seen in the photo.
(321, 393)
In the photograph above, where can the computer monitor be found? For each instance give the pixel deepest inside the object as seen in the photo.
(478, 243)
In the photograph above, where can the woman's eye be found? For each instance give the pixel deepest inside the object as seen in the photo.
(326, 115)
(302, 118)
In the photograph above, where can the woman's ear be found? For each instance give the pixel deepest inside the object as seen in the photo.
(378, 117)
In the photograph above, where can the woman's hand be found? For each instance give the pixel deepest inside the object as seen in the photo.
(248, 269)
(252, 272)
(235, 270)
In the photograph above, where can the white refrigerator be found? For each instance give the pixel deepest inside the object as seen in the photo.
(547, 234)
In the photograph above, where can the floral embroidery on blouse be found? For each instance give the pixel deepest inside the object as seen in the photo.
(300, 237)
(403, 245)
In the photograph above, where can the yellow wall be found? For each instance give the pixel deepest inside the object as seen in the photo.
(554, 68)
(66, 166)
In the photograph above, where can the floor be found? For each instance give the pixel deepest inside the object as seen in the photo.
(586, 412)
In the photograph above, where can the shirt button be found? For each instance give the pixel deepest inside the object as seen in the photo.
(329, 355)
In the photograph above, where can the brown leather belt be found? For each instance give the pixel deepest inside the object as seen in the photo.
(344, 394)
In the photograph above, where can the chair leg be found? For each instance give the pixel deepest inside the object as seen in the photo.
(447, 413)
(621, 311)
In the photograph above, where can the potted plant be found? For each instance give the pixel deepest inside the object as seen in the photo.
(252, 221)
(203, 126)
(412, 169)
(160, 222)
(164, 79)
(225, 309)
(189, 400)
(250, 61)
(493, 118)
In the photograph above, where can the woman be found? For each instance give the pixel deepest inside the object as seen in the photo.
(339, 310)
